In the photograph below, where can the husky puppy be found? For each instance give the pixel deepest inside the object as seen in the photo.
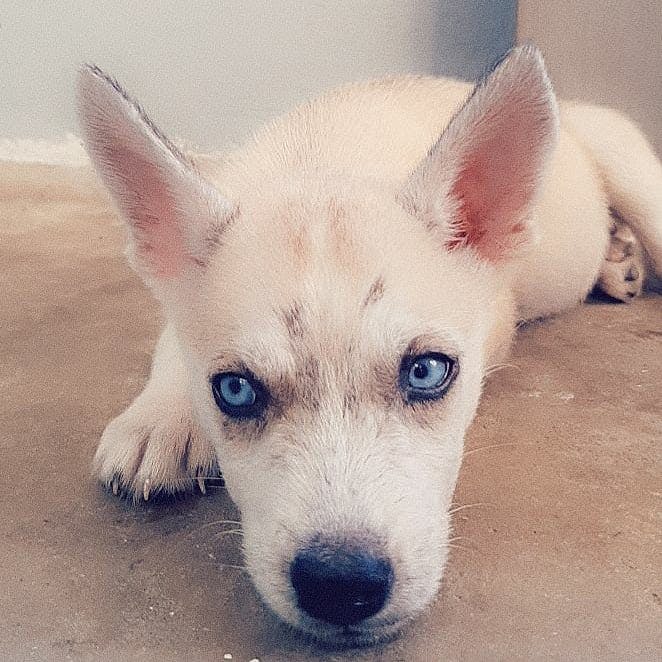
(335, 292)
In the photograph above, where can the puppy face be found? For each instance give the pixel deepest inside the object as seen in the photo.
(336, 333)
(342, 454)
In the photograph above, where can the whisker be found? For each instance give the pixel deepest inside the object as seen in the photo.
(462, 547)
(219, 522)
(500, 366)
(237, 532)
(467, 505)
(486, 448)
(452, 543)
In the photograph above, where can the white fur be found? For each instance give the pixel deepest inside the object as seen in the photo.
(503, 216)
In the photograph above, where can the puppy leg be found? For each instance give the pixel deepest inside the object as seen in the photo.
(623, 270)
(155, 446)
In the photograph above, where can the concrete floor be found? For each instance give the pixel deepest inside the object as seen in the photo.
(562, 561)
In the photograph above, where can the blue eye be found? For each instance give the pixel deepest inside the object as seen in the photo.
(426, 376)
(236, 391)
(239, 395)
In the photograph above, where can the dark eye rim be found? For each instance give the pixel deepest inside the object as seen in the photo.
(240, 412)
(413, 395)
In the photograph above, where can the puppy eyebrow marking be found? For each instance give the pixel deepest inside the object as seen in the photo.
(215, 234)
(293, 322)
(375, 293)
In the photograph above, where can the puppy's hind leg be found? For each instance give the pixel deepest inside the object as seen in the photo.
(155, 446)
(631, 174)
(623, 270)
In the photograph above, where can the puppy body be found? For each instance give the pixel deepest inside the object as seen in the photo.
(345, 238)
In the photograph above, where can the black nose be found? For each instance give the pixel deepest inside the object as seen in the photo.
(340, 585)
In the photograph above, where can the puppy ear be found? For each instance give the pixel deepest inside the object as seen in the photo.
(478, 182)
(174, 216)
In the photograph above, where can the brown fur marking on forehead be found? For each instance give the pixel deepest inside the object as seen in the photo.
(299, 243)
(297, 239)
(341, 240)
(216, 232)
(375, 293)
(307, 383)
(292, 319)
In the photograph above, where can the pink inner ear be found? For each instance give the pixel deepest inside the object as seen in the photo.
(490, 213)
(152, 211)
(501, 160)
(493, 190)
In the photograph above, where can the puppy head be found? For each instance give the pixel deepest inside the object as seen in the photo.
(336, 333)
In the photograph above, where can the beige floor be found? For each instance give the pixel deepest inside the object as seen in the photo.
(562, 561)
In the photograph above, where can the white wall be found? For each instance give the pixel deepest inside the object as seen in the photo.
(209, 70)
(604, 51)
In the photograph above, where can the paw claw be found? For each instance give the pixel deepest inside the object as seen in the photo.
(147, 485)
(143, 453)
(201, 484)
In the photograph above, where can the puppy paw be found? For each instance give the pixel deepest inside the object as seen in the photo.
(148, 450)
(623, 270)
